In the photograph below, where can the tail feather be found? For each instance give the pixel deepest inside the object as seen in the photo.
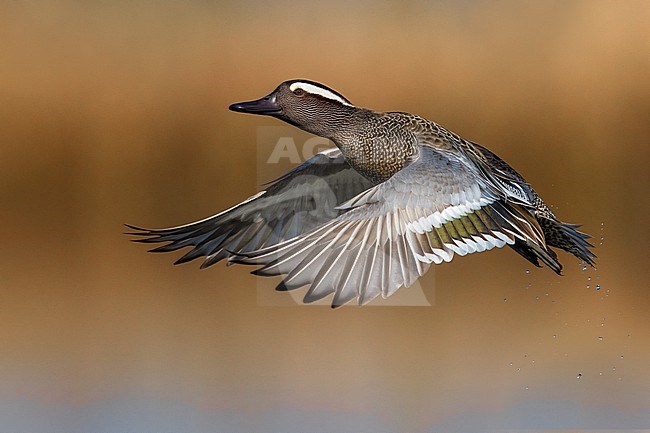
(568, 238)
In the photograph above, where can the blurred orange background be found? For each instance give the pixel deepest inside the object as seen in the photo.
(116, 113)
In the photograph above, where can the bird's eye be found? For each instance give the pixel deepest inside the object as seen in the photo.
(298, 92)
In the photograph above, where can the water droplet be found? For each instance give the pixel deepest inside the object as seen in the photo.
(579, 376)
(525, 356)
(528, 271)
(584, 268)
(518, 369)
(600, 338)
(622, 357)
(588, 278)
(554, 336)
(511, 364)
(597, 286)
(600, 374)
(526, 388)
(613, 368)
(505, 299)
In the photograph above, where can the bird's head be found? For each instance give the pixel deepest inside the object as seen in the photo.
(306, 104)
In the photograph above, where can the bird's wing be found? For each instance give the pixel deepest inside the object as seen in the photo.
(515, 189)
(295, 203)
(429, 211)
(505, 178)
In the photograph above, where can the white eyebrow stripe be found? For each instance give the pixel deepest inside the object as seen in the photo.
(310, 88)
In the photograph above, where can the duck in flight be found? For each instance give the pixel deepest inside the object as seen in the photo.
(397, 194)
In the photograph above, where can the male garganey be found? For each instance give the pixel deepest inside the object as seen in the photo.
(398, 193)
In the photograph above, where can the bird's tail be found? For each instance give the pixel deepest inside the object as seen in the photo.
(568, 238)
